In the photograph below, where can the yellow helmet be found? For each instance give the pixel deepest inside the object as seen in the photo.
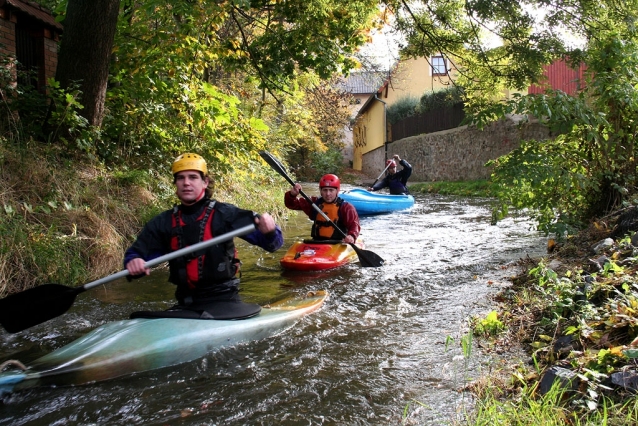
(190, 161)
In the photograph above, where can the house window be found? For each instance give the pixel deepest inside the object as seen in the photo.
(438, 65)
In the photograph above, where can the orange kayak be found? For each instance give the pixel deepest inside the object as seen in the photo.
(312, 255)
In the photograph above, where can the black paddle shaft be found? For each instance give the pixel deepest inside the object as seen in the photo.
(366, 257)
(377, 179)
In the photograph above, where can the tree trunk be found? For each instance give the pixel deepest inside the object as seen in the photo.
(85, 52)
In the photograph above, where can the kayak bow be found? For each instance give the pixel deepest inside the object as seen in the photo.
(371, 203)
(310, 255)
(132, 346)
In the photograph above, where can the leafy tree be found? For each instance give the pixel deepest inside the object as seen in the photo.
(589, 168)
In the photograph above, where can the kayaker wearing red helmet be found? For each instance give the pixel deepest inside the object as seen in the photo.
(340, 212)
(395, 181)
(207, 280)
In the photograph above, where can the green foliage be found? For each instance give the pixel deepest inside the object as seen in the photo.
(404, 107)
(489, 326)
(35, 254)
(28, 114)
(65, 122)
(549, 180)
(590, 167)
(439, 99)
(330, 161)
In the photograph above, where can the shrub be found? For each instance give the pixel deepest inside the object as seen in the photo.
(403, 108)
(440, 99)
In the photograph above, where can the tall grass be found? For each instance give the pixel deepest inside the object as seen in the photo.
(68, 220)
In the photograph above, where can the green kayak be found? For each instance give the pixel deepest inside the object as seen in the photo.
(132, 346)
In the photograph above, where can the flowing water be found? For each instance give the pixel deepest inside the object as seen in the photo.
(384, 349)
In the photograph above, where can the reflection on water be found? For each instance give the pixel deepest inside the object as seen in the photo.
(385, 338)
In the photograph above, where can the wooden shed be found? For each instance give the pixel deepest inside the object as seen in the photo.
(30, 34)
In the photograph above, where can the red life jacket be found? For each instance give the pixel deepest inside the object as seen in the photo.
(203, 269)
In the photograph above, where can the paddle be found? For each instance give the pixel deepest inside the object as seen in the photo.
(366, 257)
(384, 170)
(36, 305)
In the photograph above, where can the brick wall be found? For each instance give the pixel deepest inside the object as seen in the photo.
(48, 60)
(50, 54)
(456, 154)
(7, 37)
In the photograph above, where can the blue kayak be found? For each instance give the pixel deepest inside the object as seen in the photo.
(370, 203)
(132, 346)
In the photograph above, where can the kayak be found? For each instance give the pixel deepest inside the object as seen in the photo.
(312, 255)
(371, 203)
(131, 346)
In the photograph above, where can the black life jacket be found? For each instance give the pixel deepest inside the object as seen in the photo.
(396, 186)
(202, 273)
(321, 228)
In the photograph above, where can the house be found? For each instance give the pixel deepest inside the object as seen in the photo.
(560, 76)
(360, 86)
(410, 77)
(414, 77)
(30, 34)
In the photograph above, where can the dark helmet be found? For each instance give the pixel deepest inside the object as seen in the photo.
(330, 181)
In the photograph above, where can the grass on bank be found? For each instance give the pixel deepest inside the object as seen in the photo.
(67, 220)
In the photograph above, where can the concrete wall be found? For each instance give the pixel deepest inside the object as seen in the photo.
(457, 154)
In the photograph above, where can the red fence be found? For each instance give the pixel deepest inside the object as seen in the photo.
(429, 122)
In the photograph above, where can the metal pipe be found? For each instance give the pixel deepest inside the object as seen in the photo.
(385, 127)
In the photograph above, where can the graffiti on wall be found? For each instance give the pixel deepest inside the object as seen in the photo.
(359, 136)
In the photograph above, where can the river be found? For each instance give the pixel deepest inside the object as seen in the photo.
(384, 349)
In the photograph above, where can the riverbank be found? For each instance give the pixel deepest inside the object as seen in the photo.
(574, 313)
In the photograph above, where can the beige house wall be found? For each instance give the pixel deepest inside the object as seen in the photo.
(368, 133)
(413, 77)
(358, 100)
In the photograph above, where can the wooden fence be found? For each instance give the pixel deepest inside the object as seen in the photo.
(429, 122)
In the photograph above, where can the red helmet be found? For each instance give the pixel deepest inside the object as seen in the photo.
(390, 163)
(330, 181)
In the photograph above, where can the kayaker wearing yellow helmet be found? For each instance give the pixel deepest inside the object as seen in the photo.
(208, 280)
(340, 212)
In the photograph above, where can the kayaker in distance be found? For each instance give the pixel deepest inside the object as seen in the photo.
(395, 181)
(207, 281)
(340, 212)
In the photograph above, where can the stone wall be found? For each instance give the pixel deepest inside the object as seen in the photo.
(457, 154)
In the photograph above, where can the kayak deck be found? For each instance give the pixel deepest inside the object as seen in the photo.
(310, 255)
(371, 203)
(132, 346)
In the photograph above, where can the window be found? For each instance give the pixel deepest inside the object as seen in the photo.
(438, 65)
(30, 55)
